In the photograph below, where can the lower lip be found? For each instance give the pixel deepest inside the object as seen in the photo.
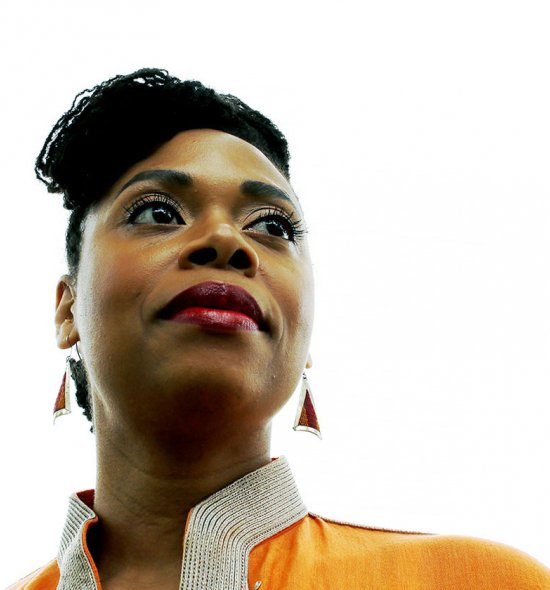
(215, 318)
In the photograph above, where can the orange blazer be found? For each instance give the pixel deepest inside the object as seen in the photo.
(255, 534)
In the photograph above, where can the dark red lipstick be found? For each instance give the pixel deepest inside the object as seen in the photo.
(216, 304)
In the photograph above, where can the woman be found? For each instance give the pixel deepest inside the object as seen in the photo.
(189, 300)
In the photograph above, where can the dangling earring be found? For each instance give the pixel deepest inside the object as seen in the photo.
(306, 416)
(62, 404)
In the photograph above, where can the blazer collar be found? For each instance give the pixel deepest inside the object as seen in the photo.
(220, 533)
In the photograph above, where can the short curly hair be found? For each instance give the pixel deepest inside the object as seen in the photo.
(124, 120)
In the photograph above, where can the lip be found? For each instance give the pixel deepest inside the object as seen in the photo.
(208, 296)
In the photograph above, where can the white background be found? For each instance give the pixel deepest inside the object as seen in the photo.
(420, 141)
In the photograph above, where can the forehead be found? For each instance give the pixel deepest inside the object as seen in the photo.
(211, 156)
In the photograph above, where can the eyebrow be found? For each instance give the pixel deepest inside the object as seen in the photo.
(257, 188)
(252, 188)
(173, 177)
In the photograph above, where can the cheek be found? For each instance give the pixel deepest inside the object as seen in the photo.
(110, 294)
(294, 294)
(302, 298)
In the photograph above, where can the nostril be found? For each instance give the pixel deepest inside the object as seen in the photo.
(240, 259)
(203, 256)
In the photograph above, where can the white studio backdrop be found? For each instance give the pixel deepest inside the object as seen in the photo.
(420, 142)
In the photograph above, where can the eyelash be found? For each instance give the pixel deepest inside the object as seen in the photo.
(292, 226)
(274, 213)
(145, 201)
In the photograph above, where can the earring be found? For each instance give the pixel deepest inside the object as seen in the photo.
(62, 404)
(306, 416)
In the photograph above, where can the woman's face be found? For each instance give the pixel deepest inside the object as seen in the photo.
(222, 217)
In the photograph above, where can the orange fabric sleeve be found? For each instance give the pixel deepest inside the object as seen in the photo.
(45, 578)
(326, 555)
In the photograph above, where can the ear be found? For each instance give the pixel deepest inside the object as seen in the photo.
(65, 329)
(309, 363)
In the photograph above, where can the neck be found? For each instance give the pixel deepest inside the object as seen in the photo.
(144, 494)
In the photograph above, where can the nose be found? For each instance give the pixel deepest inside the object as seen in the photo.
(221, 246)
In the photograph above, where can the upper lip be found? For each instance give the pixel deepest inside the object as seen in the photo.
(216, 295)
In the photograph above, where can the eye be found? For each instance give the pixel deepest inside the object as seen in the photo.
(154, 209)
(274, 227)
(278, 223)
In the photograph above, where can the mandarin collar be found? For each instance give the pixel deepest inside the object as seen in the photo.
(220, 532)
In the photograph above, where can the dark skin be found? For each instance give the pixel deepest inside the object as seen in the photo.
(181, 410)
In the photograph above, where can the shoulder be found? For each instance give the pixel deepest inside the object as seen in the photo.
(487, 563)
(439, 561)
(44, 578)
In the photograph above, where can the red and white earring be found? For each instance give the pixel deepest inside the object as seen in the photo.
(306, 416)
(62, 404)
